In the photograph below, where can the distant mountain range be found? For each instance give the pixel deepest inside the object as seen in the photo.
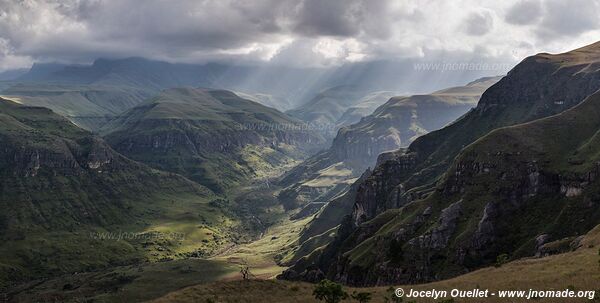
(294, 84)
(12, 74)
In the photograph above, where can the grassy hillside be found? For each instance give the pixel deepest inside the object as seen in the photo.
(196, 280)
(535, 195)
(213, 137)
(540, 86)
(138, 282)
(403, 119)
(70, 203)
(364, 107)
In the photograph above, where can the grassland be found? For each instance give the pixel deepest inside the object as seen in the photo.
(163, 266)
(262, 256)
(133, 283)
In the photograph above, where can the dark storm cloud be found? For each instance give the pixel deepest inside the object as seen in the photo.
(553, 19)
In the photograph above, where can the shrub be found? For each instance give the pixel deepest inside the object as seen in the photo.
(501, 260)
(329, 292)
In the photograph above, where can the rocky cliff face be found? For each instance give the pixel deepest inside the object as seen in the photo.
(496, 197)
(197, 136)
(29, 147)
(68, 158)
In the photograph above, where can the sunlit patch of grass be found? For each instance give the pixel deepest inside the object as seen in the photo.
(12, 98)
(262, 255)
(332, 175)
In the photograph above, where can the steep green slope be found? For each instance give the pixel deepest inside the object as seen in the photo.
(212, 136)
(88, 106)
(529, 189)
(427, 231)
(393, 125)
(540, 86)
(61, 188)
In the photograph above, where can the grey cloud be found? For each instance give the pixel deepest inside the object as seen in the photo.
(156, 28)
(343, 18)
(333, 18)
(478, 23)
(568, 18)
(524, 12)
(318, 32)
(179, 29)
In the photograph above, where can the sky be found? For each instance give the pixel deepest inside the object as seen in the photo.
(315, 33)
